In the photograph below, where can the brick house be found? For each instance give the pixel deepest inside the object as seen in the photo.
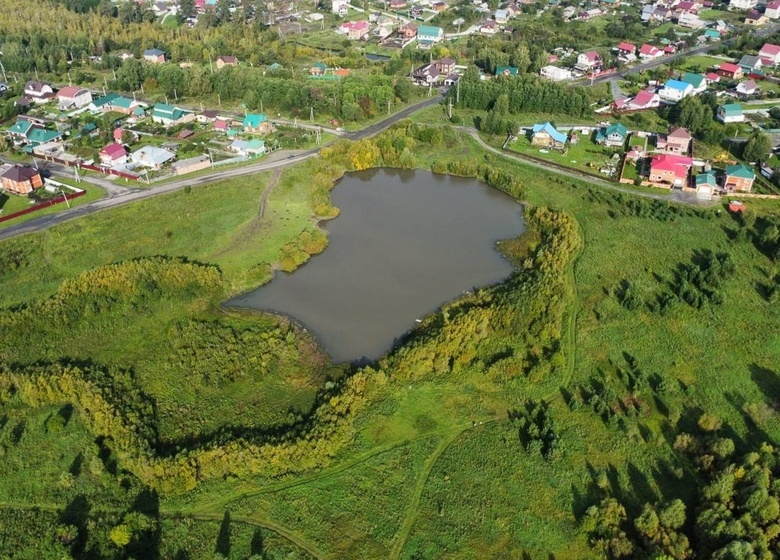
(22, 179)
(678, 141)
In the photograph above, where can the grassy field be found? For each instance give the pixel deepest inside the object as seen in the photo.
(436, 468)
(10, 203)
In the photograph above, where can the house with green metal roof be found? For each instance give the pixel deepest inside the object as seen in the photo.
(20, 129)
(168, 115)
(698, 81)
(506, 71)
(125, 105)
(613, 136)
(318, 69)
(105, 103)
(253, 122)
(729, 113)
(739, 177)
(427, 35)
(706, 184)
(712, 34)
(38, 136)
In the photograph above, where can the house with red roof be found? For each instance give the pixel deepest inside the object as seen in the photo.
(588, 61)
(645, 99)
(73, 97)
(773, 9)
(670, 49)
(770, 52)
(626, 50)
(730, 71)
(649, 52)
(113, 154)
(712, 77)
(355, 30)
(671, 170)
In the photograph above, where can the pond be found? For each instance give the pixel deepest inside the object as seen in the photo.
(405, 243)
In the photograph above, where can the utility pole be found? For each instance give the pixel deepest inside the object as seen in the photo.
(175, 94)
(70, 81)
(211, 66)
(450, 108)
(219, 100)
(457, 93)
(5, 79)
(105, 82)
(261, 105)
(311, 115)
(65, 197)
(166, 99)
(114, 71)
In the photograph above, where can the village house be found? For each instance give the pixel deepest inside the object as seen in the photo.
(649, 52)
(32, 132)
(151, 157)
(626, 51)
(355, 30)
(226, 60)
(706, 184)
(678, 141)
(738, 177)
(501, 16)
(587, 61)
(645, 99)
(438, 6)
(191, 165)
(697, 81)
(750, 63)
(742, 4)
(113, 154)
(154, 56)
(397, 4)
(773, 9)
(73, 97)
(256, 123)
(674, 91)
(21, 179)
(671, 170)
(612, 136)
(730, 113)
(125, 105)
(409, 31)
(168, 115)
(712, 34)
(103, 104)
(340, 7)
(506, 71)
(123, 55)
(755, 18)
(434, 73)
(488, 27)
(248, 148)
(730, 71)
(545, 135)
(691, 21)
(747, 88)
(38, 92)
(712, 78)
(318, 69)
(770, 53)
(428, 35)
(555, 73)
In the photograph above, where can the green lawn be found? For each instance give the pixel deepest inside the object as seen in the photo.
(10, 203)
(586, 155)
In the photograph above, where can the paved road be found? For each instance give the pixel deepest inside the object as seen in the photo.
(277, 160)
(666, 59)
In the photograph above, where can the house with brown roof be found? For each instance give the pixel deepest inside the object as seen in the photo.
(409, 31)
(678, 141)
(38, 92)
(226, 60)
(21, 179)
(73, 97)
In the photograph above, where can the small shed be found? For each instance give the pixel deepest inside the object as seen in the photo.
(737, 207)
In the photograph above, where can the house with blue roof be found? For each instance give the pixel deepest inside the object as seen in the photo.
(545, 135)
(675, 90)
(254, 122)
(168, 115)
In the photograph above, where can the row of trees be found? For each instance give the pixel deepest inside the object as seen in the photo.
(524, 94)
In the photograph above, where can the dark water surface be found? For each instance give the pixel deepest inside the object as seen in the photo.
(405, 243)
